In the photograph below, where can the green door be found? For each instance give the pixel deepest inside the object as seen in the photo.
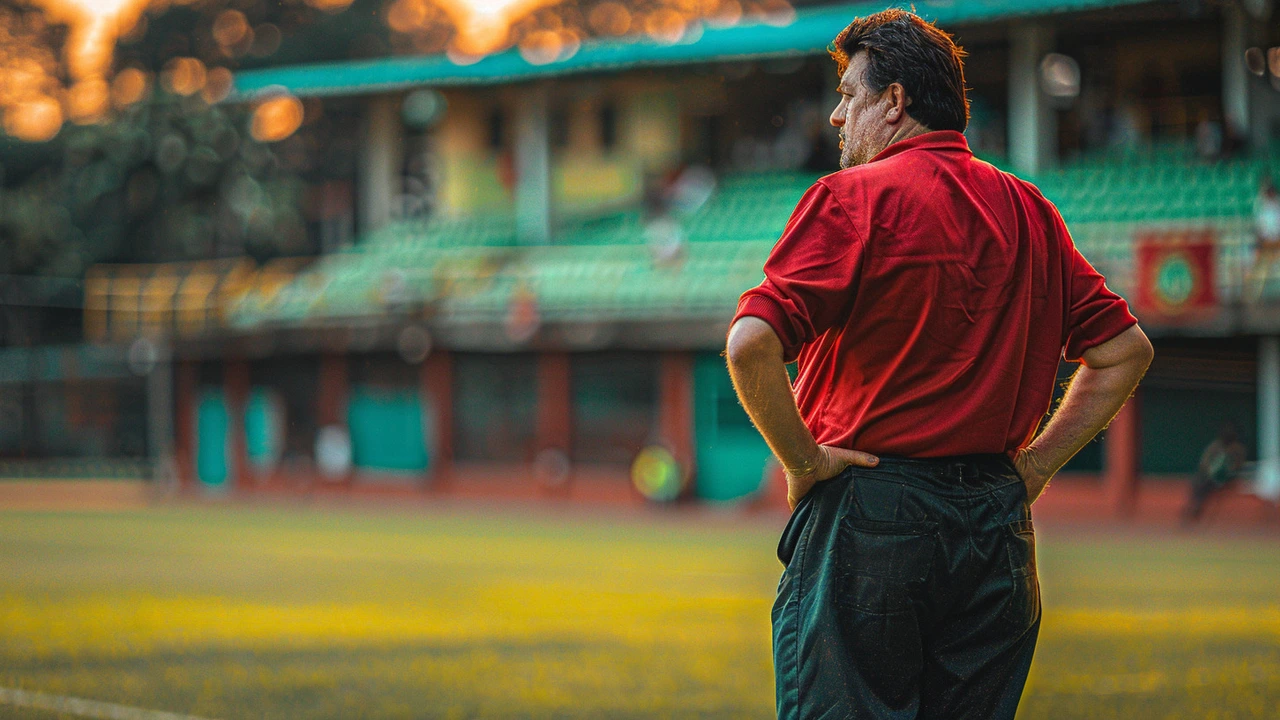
(263, 419)
(731, 455)
(387, 429)
(212, 424)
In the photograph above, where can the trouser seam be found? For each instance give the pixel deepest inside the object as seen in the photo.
(797, 598)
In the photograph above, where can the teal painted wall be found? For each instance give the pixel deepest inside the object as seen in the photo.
(1177, 424)
(731, 455)
(212, 425)
(262, 427)
(386, 427)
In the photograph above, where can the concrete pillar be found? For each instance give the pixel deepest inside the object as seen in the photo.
(235, 391)
(533, 167)
(437, 387)
(331, 401)
(675, 408)
(584, 128)
(1032, 123)
(1261, 101)
(160, 411)
(1235, 76)
(184, 421)
(381, 162)
(555, 402)
(1121, 454)
(1268, 475)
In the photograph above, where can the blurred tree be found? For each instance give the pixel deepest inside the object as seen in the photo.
(128, 153)
(169, 179)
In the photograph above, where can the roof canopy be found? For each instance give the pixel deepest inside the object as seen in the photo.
(808, 34)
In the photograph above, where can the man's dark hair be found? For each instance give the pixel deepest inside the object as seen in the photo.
(902, 48)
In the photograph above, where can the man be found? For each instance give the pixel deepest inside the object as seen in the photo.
(928, 298)
(1220, 464)
(1266, 228)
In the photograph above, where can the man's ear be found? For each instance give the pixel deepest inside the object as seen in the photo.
(898, 102)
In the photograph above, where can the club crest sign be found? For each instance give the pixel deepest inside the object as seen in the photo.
(1176, 281)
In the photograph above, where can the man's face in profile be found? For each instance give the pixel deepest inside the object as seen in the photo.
(859, 116)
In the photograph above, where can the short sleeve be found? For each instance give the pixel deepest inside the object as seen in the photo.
(811, 274)
(1095, 314)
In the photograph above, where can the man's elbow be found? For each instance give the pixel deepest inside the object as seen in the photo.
(1138, 349)
(750, 340)
(1129, 349)
(1145, 351)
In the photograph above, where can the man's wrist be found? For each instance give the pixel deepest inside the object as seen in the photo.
(805, 467)
(1037, 460)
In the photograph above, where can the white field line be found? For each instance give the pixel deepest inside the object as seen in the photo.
(82, 707)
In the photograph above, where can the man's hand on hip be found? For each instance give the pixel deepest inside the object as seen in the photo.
(831, 461)
(1106, 378)
(1032, 471)
(760, 378)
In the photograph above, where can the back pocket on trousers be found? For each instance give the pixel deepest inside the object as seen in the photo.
(1023, 609)
(882, 564)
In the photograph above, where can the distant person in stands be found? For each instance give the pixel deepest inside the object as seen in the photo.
(1220, 463)
(1209, 138)
(1124, 130)
(1266, 225)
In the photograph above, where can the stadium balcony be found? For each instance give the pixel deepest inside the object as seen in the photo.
(1106, 198)
(468, 270)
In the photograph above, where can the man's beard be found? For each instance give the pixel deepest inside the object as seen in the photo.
(847, 156)
(854, 153)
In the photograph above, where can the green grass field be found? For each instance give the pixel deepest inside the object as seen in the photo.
(297, 612)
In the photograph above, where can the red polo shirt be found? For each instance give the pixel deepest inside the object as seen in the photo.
(928, 298)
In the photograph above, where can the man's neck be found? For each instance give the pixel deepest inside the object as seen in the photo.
(908, 130)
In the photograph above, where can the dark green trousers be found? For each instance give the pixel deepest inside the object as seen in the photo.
(910, 591)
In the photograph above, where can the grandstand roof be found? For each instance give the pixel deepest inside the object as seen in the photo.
(808, 34)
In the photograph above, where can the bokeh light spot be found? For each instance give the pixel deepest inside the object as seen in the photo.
(422, 108)
(230, 28)
(184, 76)
(330, 6)
(610, 18)
(34, 120)
(727, 13)
(541, 47)
(666, 25)
(128, 87)
(276, 118)
(266, 40)
(217, 85)
(405, 16)
(88, 100)
(1060, 76)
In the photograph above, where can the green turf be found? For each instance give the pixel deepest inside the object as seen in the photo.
(339, 613)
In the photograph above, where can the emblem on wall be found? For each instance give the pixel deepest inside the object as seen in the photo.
(1176, 280)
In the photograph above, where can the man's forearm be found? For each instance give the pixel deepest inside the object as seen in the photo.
(1093, 399)
(1091, 402)
(761, 381)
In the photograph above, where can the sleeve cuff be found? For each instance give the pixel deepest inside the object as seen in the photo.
(1099, 329)
(771, 312)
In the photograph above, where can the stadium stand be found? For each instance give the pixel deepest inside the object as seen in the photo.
(601, 266)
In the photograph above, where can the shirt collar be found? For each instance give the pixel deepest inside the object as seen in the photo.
(935, 140)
